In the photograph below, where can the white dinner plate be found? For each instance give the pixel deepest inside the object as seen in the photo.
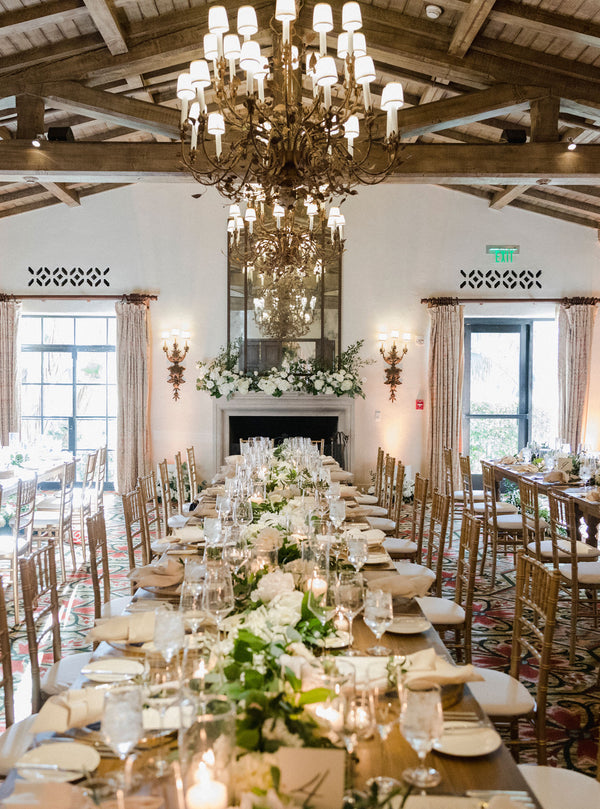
(377, 558)
(437, 802)
(467, 739)
(112, 669)
(82, 758)
(337, 641)
(409, 625)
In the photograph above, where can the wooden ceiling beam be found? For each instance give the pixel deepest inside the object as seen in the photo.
(544, 119)
(30, 116)
(496, 164)
(470, 24)
(30, 18)
(107, 23)
(116, 109)
(63, 193)
(464, 109)
(5, 133)
(539, 21)
(22, 62)
(505, 197)
(46, 202)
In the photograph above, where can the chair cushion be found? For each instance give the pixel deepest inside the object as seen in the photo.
(43, 518)
(383, 523)
(413, 569)
(441, 610)
(508, 522)
(554, 787)
(377, 511)
(397, 545)
(564, 549)
(477, 495)
(366, 499)
(500, 694)
(544, 526)
(48, 503)
(61, 676)
(14, 742)
(501, 508)
(116, 606)
(587, 572)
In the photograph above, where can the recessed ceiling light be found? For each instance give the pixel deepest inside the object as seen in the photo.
(433, 12)
(30, 180)
(572, 145)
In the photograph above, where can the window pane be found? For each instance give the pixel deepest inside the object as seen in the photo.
(492, 438)
(112, 432)
(91, 400)
(91, 367)
(91, 433)
(111, 470)
(31, 396)
(112, 399)
(31, 366)
(544, 394)
(90, 331)
(31, 430)
(58, 330)
(111, 367)
(31, 330)
(58, 367)
(495, 372)
(58, 400)
(59, 430)
(112, 331)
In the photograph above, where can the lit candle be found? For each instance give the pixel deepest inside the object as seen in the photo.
(206, 793)
(329, 715)
(317, 586)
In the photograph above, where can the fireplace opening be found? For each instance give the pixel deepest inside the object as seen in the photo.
(280, 427)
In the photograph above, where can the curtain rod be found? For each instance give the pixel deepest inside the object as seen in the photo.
(141, 296)
(456, 301)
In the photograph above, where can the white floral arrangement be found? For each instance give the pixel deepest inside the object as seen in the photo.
(221, 376)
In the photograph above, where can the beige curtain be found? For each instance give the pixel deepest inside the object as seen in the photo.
(133, 385)
(445, 385)
(10, 415)
(575, 331)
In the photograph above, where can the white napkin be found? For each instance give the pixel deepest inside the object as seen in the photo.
(410, 585)
(395, 544)
(340, 474)
(507, 460)
(527, 468)
(47, 795)
(368, 671)
(71, 709)
(165, 572)
(556, 476)
(593, 497)
(348, 492)
(374, 535)
(188, 532)
(137, 628)
(427, 665)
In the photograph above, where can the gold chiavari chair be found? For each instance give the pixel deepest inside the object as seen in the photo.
(193, 473)
(135, 530)
(417, 523)
(500, 531)
(149, 495)
(58, 524)
(534, 526)
(579, 574)
(436, 537)
(320, 443)
(16, 539)
(474, 499)
(381, 516)
(6, 660)
(88, 489)
(165, 494)
(100, 479)
(104, 606)
(506, 700)
(456, 496)
(42, 619)
(180, 479)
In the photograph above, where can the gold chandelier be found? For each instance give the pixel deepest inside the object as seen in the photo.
(262, 130)
(286, 307)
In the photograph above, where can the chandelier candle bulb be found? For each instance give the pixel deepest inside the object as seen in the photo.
(216, 127)
(247, 24)
(285, 12)
(322, 23)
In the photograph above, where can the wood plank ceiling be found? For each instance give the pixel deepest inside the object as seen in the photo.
(108, 69)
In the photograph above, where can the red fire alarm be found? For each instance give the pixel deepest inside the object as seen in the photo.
(419, 404)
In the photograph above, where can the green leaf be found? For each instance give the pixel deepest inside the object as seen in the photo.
(242, 653)
(315, 695)
(253, 679)
(248, 738)
(254, 642)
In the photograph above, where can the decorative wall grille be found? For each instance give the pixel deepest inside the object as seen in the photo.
(501, 279)
(62, 277)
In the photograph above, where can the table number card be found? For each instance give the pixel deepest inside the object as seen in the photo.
(312, 775)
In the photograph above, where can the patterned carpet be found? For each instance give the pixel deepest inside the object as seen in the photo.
(574, 702)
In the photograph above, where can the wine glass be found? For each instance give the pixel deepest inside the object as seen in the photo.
(163, 691)
(235, 551)
(357, 721)
(169, 632)
(321, 601)
(218, 598)
(190, 604)
(122, 721)
(337, 512)
(387, 714)
(378, 617)
(350, 599)
(358, 551)
(242, 512)
(422, 724)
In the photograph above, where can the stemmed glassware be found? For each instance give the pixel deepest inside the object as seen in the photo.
(422, 724)
(169, 632)
(358, 551)
(190, 604)
(163, 691)
(337, 512)
(242, 512)
(122, 721)
(387, 714)
(235, 550)
(218, 599)
(378, 617)
(357, 720)
(322, 600)
(350, 599)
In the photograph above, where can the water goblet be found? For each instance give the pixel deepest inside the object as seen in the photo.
(169, 632)
(218, 598)
(162, 680)
(378, 617)
(190, 604)
(350, 598)
(387, 714)
(358, 551)
(235, 551)
(122, 721)
(337, 512)
(422, 724)
(356, 708)
(321, 601)
(242, 512)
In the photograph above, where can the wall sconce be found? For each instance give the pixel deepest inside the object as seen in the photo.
(175, 355)
(393, 359)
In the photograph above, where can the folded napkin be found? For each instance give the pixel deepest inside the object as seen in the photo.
(357, 512)
(368, 671)
(340, 474)
(507, 460)
(593, 497)
(234, 459)
(48, 795)
(327, 460)
(556, 476)
(409, 585)
(373, 535)
(526, 468)
(348, 492)
(188, 532)
(427, 665)
(75, 708)
(398, 545)
(164, 572)
(136, 628)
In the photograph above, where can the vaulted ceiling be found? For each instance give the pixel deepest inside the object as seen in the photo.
(108, 70)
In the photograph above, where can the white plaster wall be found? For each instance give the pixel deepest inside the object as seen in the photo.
(403, 243)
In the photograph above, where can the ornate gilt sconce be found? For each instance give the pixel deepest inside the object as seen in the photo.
(175, 355)
(393, 359)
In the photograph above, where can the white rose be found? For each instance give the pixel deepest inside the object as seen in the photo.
(318, 384)
(346, 384)
(273, 584)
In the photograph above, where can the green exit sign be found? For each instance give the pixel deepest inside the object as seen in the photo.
(503, 253)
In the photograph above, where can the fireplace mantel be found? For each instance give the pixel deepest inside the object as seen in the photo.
(289, 404)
